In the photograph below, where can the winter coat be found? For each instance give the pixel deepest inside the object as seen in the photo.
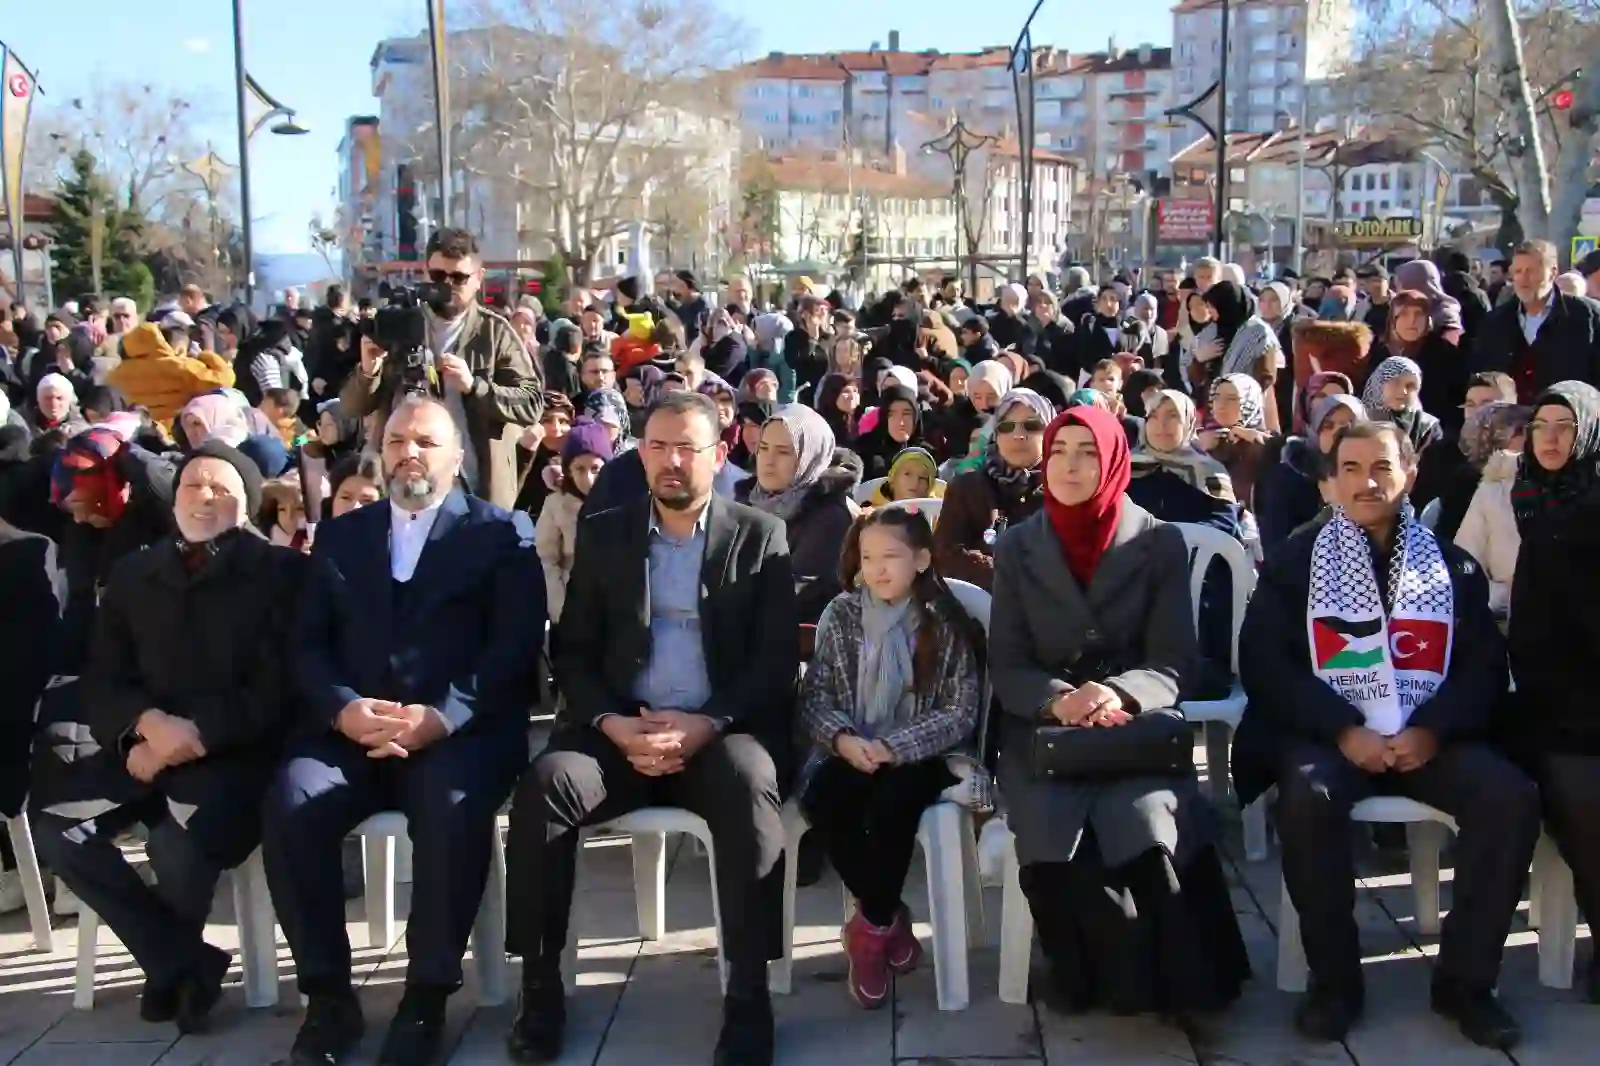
(1131, 628)
(506, 395)
(1555, 630)
(29, 575)
(806, 359)
(1290, 705)
(1287, 495)
(816, 538)
(1444, 379)
(974, 504)
(153, 376)
(556, 538)
(942, 722)
(1566, 348)
(264, 361)
(1334, 347)
(1489, 530)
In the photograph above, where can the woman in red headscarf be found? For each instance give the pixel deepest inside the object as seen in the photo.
(1092, 626)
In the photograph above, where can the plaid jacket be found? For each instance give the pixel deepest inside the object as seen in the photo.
(943, 723)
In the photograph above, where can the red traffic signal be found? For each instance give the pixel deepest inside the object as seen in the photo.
(1561, 99)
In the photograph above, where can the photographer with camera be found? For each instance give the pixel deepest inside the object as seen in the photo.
(442, 343)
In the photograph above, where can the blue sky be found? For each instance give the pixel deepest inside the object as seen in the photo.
(313, 56)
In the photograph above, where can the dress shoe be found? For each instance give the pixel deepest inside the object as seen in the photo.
(416, 1035)
(747, 1031)
(201, 989)
(158, 1002)
(536, 1035)
(1326, 1013)
(332, 1030)
(1479, 1013)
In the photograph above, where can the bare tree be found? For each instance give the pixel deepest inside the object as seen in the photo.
(575, 118)
(1478, 78)
(139, 133)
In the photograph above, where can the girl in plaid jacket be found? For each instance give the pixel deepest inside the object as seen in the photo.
(890, 706)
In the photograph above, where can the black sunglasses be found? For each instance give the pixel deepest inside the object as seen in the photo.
(1032, 425)
(454, 277)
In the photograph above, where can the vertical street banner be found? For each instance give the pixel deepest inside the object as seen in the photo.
(17, 90)
(441, 96)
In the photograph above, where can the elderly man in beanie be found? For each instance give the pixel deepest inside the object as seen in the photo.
(184, 706)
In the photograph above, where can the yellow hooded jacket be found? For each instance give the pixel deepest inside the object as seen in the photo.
(153, 376)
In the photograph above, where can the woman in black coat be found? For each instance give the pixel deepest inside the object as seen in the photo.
(797, 481)
(1555, 627)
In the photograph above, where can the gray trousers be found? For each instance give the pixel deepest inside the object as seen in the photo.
(202, 817)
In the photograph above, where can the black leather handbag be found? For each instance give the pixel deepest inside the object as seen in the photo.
(1155, 743)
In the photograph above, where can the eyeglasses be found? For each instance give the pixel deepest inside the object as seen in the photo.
(1009, 426)
(1560, 425)
(683, 449)
(455, 277)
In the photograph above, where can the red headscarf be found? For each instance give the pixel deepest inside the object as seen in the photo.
(89, 462)
(1087, 529)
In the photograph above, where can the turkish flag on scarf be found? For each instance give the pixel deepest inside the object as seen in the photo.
(1419, 644)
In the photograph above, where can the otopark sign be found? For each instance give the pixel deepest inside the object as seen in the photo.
(1360, 232)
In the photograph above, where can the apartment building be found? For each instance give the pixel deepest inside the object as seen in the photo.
(1278, 49)
(1103, 108)
(830, 205)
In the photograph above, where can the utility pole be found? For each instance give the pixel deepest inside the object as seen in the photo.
(1221, 211)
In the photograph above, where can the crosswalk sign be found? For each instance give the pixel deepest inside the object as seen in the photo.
(1582, 246)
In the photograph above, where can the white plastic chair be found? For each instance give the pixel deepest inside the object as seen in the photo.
(929, 506)
(21, 834)
(378, 839)
(949, 845)
(865, 490)
(258, 939)
(1220, 717)
(1425, 828)
(1553, 910)
(648, 827)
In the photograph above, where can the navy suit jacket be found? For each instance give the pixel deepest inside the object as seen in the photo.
(467, 639)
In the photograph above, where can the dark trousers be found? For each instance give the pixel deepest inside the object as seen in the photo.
(1496, 808)
(583, 779)
(203, 818)
(449, 793)
(1569, 786)
(868, 825)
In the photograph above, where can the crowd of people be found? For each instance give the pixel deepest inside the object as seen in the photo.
(269, 578)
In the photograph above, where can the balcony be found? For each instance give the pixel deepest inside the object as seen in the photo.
(1121, 115)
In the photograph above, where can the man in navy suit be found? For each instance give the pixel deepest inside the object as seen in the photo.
(414, 654)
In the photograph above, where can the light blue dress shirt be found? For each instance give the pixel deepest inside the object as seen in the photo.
(675, 678)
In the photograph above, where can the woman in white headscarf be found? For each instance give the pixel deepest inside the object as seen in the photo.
(990, 380)
(795, 479)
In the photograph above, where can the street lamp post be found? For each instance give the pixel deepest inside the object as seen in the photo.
(956, 144)
(1022, 88)
(244, 88)
(1219, 135)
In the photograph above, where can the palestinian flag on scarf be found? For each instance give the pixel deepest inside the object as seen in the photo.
(1342, 644)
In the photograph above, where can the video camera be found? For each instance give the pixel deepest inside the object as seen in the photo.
(401, 329)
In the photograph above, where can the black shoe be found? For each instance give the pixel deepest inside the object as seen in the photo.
(332, 1030)
(747, 1031)
(416, 1035)
(158, 1003)
(1479, 1013)
(541, 1026)
(1325, 1014)
(200, 991)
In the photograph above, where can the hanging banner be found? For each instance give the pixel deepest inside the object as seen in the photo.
(441, 96)
(17, 90)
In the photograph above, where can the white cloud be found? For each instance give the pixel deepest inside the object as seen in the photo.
(197, 45)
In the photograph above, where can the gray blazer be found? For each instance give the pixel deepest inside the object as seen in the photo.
(1136, 610)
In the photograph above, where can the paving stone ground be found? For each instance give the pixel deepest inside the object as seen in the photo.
(657, 1003)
